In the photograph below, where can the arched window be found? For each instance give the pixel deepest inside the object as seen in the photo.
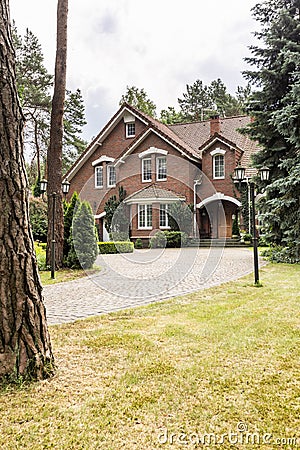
(219, 166)
(218, 156)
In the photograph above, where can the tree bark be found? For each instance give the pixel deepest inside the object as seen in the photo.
(54, 154)
(25, 347)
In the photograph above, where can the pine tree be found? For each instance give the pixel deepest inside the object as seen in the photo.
(139, 99)
(201, 101)
(34, 89)
(74, 121)
(196, 102)
(276, 109)
(170, 116)
(34, 85)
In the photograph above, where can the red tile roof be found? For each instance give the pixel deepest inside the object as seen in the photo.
(188, 137)
(198, 134)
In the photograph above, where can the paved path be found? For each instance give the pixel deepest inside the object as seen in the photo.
(146, 276)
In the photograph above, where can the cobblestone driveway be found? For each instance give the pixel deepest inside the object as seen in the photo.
(128, 280)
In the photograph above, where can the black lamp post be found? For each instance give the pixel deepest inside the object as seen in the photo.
(65, 190)
(264, 176)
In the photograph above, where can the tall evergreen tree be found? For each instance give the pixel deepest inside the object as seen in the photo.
(200, 101)
(34, 85)
(196, 102)
(170, 116)
(74, 121)
(276, 109)
(139, 99)
(226, 104)
(34, 89)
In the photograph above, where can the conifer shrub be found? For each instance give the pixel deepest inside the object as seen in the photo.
(83, 239)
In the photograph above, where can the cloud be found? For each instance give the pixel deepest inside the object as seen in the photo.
(160, 46)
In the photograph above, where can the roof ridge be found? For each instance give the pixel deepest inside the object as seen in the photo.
(206, 121)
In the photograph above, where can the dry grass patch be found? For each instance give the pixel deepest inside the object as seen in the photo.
(200, 363)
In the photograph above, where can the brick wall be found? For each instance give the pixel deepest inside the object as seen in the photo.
(181, 171)
(219, 185)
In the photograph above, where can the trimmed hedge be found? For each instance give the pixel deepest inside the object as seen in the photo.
(116, 247)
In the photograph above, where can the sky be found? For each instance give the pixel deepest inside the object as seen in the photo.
(158, 45)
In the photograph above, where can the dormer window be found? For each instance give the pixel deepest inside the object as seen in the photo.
(130, 130)
(218, 156)
(219, 166)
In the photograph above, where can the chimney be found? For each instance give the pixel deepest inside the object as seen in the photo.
(215, 125)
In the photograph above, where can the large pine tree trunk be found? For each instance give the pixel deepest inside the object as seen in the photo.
(25, 347)
(54, 155)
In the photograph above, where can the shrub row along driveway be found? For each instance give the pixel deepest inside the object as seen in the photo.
(128, 280)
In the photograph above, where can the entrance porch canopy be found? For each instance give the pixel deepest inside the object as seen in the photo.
(217, 197)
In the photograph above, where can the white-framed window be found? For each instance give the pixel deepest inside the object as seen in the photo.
(219, 166)
(161, 168)
(163, 216)
(146, 169)
(145, 217)
(130, 130)
(99, 177)
(111, 176)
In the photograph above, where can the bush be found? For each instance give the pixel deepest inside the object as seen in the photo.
(138, 243)
(159, 240)
(279, 254)
(170, 239)
(176, 238)
(115, 247)
(235, 226)
(40, 251)
(247, 237)
(38, 218)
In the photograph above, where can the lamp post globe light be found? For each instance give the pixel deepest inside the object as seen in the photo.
(65, 189)
(264, 172)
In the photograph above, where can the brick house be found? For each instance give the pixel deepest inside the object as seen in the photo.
(160, 164)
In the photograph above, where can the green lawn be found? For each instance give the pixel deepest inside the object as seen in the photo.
(217, 361)
(65, 275)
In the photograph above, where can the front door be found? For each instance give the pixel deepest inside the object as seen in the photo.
(220, 214)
